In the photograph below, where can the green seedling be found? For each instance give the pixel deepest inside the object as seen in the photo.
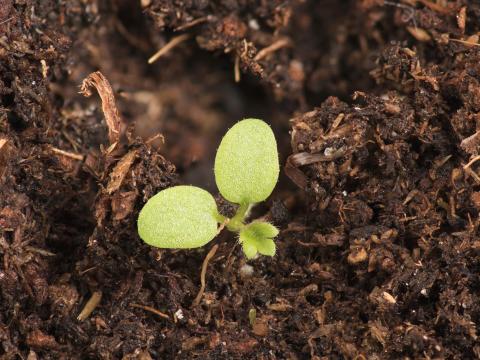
(246, 172)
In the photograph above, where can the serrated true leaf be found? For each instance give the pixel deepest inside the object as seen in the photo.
(246, 164)
(249, 249)
(255, 238)
(180, 217)
(260, 229)
(266, 247)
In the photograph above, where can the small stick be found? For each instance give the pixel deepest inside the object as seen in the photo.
(6, 20)
(91, 304)
(151, 309)
(473, 174)
(470, 163)
(155, 137)
(237, 69)
(281, 43)
(170, 45)
(210, 254)
(464, 42)
(39, 251)
(193, 23)
(67, 154)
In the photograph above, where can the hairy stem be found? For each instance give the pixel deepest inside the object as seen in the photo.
(237, 222)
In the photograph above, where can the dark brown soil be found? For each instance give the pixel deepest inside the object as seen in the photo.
(375, 105)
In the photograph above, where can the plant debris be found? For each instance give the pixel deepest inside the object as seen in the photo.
(378, 254)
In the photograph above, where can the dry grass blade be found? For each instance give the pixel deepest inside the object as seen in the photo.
(210, 254)
(67, 154)
(170, 45)
(109, 107)
(466, 42)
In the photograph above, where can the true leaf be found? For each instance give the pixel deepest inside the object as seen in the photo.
(256, 237)
(246, 164)
(249, 249)
(260, 229)
(180, 217)
(266, 247)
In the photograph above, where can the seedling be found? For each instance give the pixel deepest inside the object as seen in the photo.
(246, 172)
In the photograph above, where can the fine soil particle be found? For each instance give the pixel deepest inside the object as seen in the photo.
(375, 107)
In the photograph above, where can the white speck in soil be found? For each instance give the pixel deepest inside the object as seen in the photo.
(253, 24)
(179, 314)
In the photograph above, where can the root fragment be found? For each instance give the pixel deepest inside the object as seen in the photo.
(150, 309)
(210, 254)
(277, 45)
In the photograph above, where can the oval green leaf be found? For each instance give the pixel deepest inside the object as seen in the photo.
(246, 164)
(180, 217)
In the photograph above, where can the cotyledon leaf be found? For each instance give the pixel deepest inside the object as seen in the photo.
(180, 217)
(246, 164)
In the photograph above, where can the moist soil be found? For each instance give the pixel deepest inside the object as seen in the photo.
(376, 108)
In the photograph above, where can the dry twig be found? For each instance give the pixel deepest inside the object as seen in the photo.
(151, 309)
(67, 154)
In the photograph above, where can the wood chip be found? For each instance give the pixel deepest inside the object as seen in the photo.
(260, 328)
(38, 339)
(280, 307)
(357, 255)
(471, 144)
(120, 171)
(5, 150)
(91, 305)
(304, 158)
(462, 18)
(419, 34)
(109, 107)
(123, 204)
(389, 298)
(295, 174)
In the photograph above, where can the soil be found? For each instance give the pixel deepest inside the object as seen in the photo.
(375, 105)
